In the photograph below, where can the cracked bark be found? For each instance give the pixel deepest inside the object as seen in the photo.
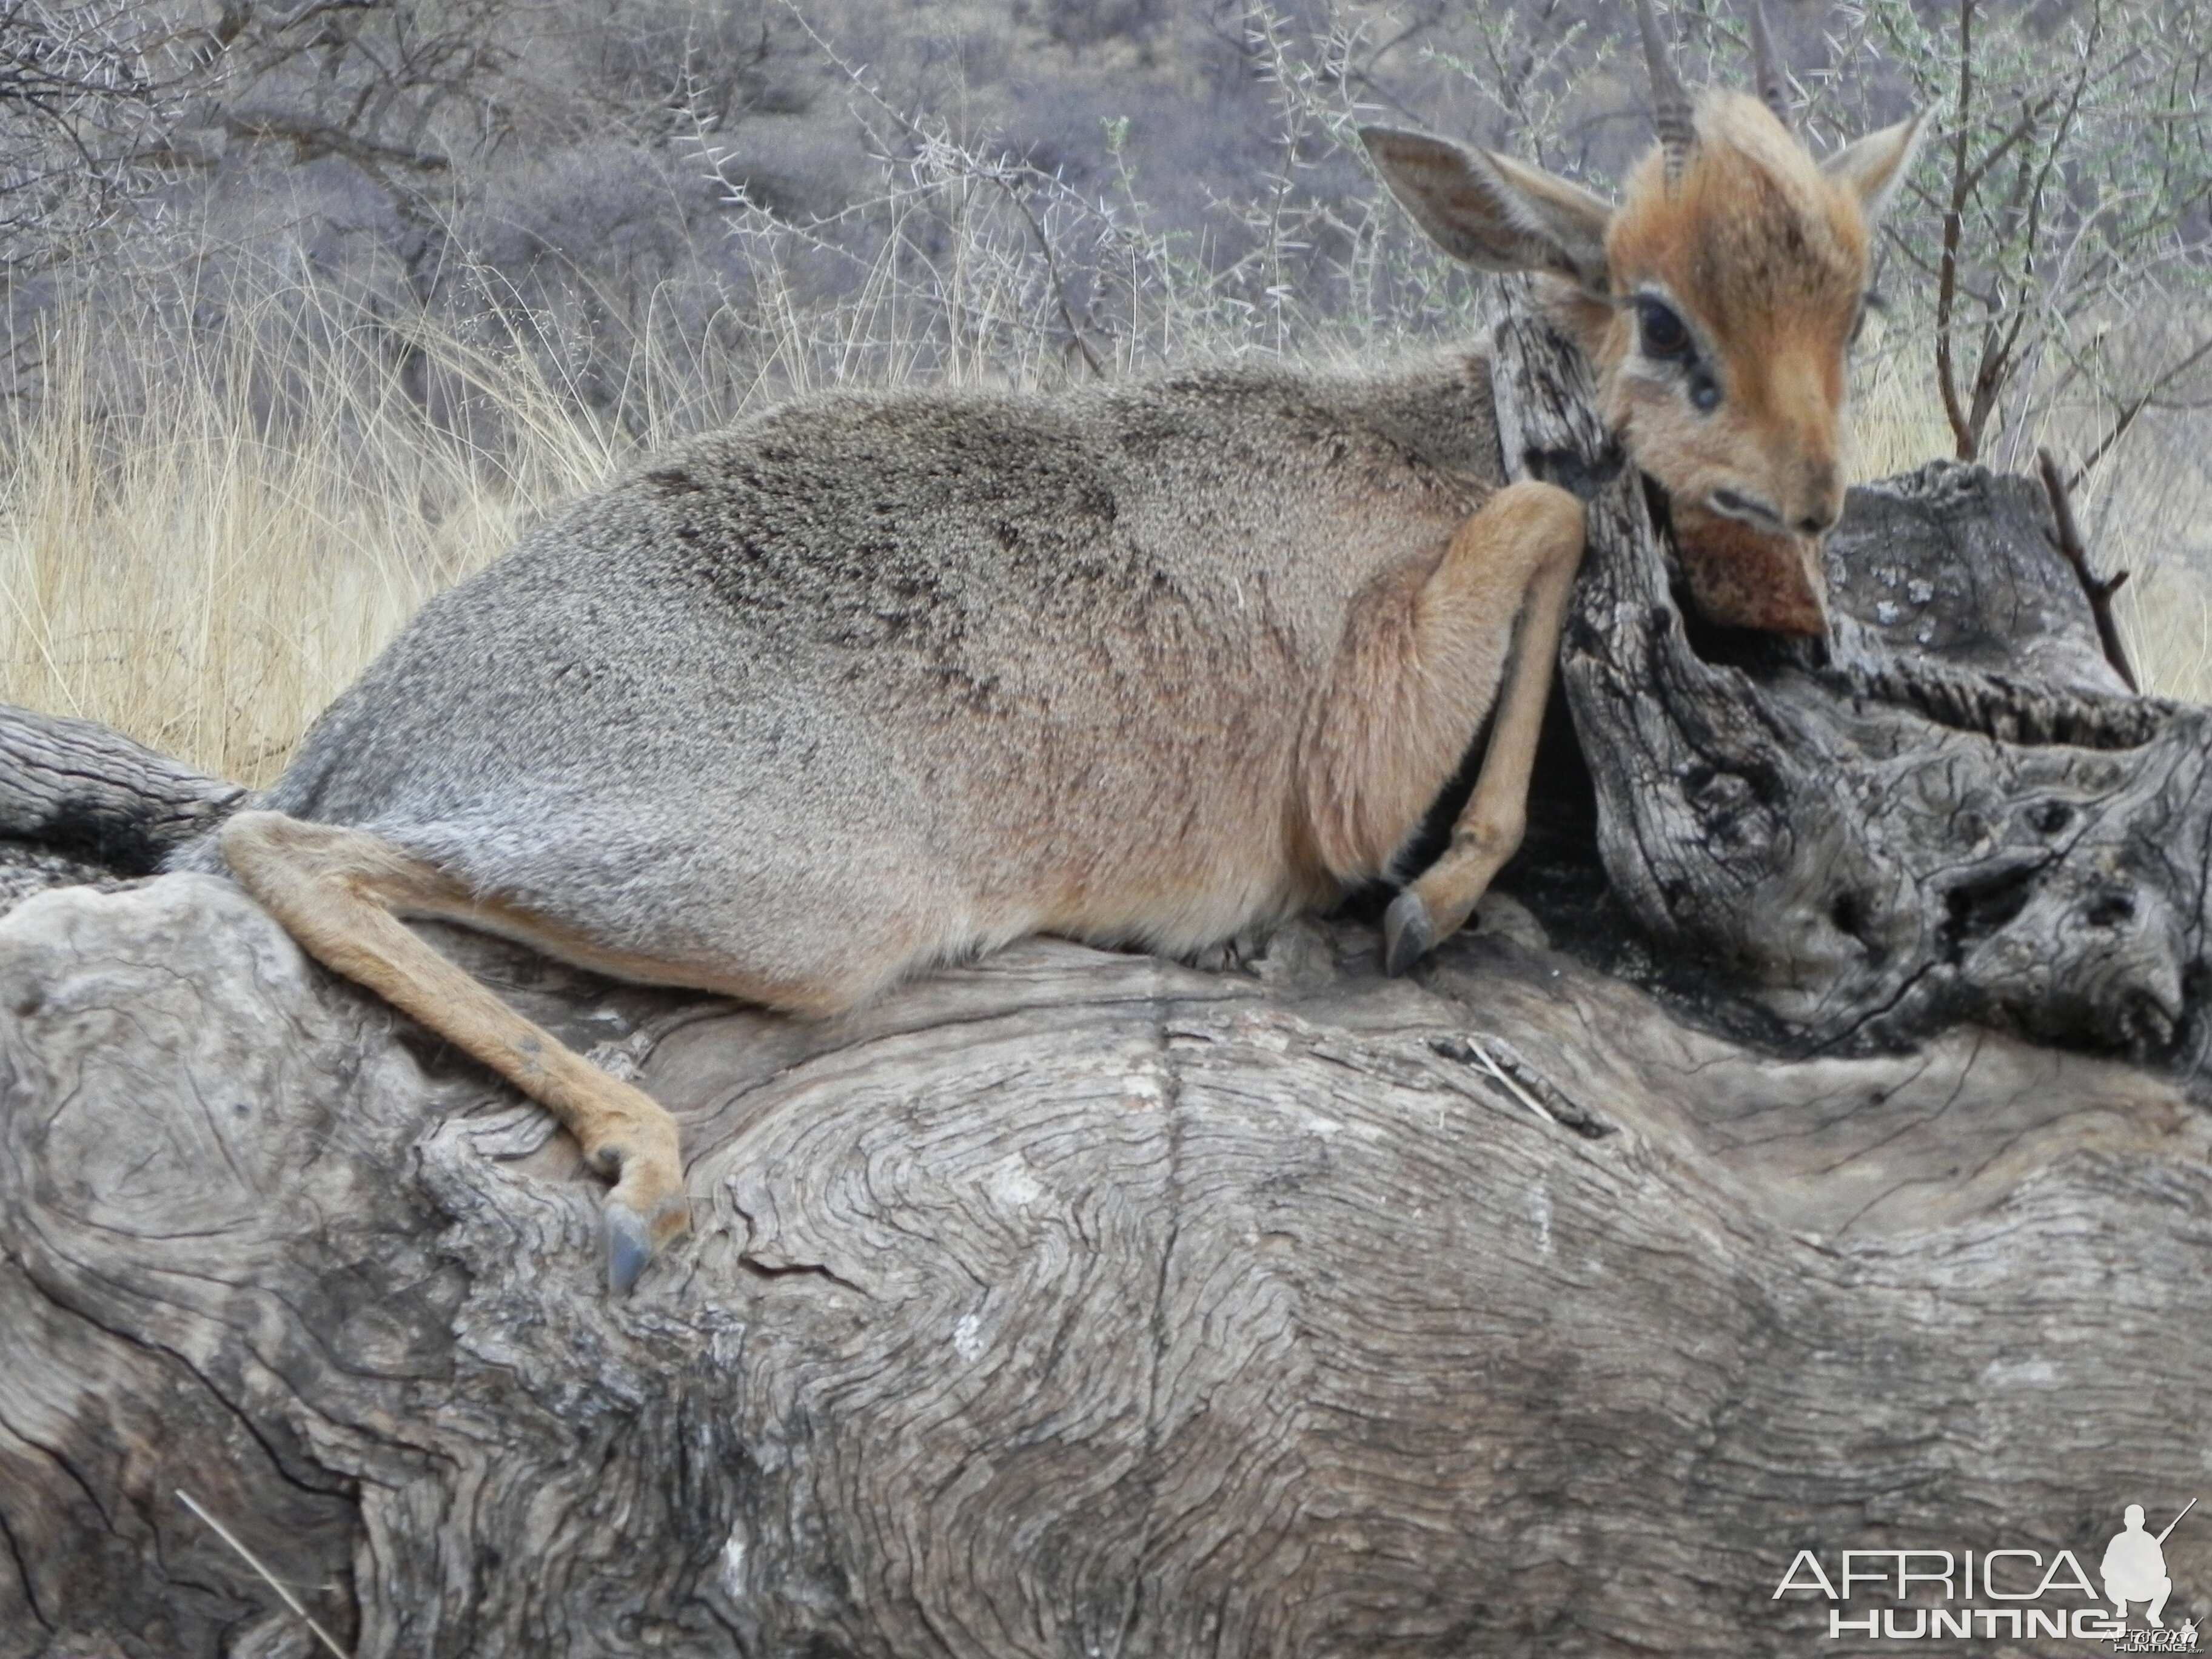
(80, 801)
(1960, 813)
(1073, 1301)
(1082, 1303)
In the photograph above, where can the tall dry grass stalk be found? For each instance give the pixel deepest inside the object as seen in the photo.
(205, 533)
(204, 536)
(2146, 506)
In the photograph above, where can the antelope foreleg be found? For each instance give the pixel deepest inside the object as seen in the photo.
(1532, 554)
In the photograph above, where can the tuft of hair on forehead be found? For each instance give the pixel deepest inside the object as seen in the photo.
(1751, 232)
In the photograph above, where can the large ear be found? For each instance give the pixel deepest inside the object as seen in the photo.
(1875, 166)
(1496, 213)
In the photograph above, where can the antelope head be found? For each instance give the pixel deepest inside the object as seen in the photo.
(1716, 303)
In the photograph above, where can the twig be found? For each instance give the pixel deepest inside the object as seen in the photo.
(1482, 1058)
(2127, 415)
(1052, 273)
(2099, 589)
(268, 1577)
(1954, 220)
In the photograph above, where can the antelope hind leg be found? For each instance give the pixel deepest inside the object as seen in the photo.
(340, 893)
(1519, 553)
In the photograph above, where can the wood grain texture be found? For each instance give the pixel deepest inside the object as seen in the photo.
(1070, 1304)
(74, 786)
(1958, 814)
(1076, 1304)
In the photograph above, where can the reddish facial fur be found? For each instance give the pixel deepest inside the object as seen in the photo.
(1745, 579)
(1765, 256)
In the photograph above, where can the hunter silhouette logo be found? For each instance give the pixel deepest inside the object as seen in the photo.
(2008, 1593)
(2133, 1568)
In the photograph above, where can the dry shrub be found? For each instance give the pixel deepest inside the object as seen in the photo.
(215, 507)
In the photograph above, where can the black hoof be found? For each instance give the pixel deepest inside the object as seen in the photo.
(629, 1247)
(1407, 933)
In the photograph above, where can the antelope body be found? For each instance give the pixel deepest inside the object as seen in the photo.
(875, 681)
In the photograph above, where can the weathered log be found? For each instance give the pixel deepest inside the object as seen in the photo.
(1070, 1304)
(75, 788)
(1963, 816)
(1079, 1303)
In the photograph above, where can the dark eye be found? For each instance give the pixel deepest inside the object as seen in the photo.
(1661, 332)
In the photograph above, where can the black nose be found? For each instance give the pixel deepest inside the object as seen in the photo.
(1816, 525)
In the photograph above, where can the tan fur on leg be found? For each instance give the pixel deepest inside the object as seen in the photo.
(339, 893)
(1545, 549)
(1424, 657)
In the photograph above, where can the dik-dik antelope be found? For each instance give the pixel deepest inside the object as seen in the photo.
(882, 679)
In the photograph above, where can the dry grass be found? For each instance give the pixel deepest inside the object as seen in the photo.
(2146, 507)
(201, 544)
(2148, 510)
(204, 536)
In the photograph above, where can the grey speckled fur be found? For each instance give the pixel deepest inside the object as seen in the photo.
(932, 670)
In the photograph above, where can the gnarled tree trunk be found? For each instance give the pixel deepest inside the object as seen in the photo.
(1079, 1303)
(1074, 1303)
(1964, 816)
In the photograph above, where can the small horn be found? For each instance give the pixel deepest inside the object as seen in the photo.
(1773, 84)
(1670, 104)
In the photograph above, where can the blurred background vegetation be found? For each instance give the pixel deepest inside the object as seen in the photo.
(312, 305)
